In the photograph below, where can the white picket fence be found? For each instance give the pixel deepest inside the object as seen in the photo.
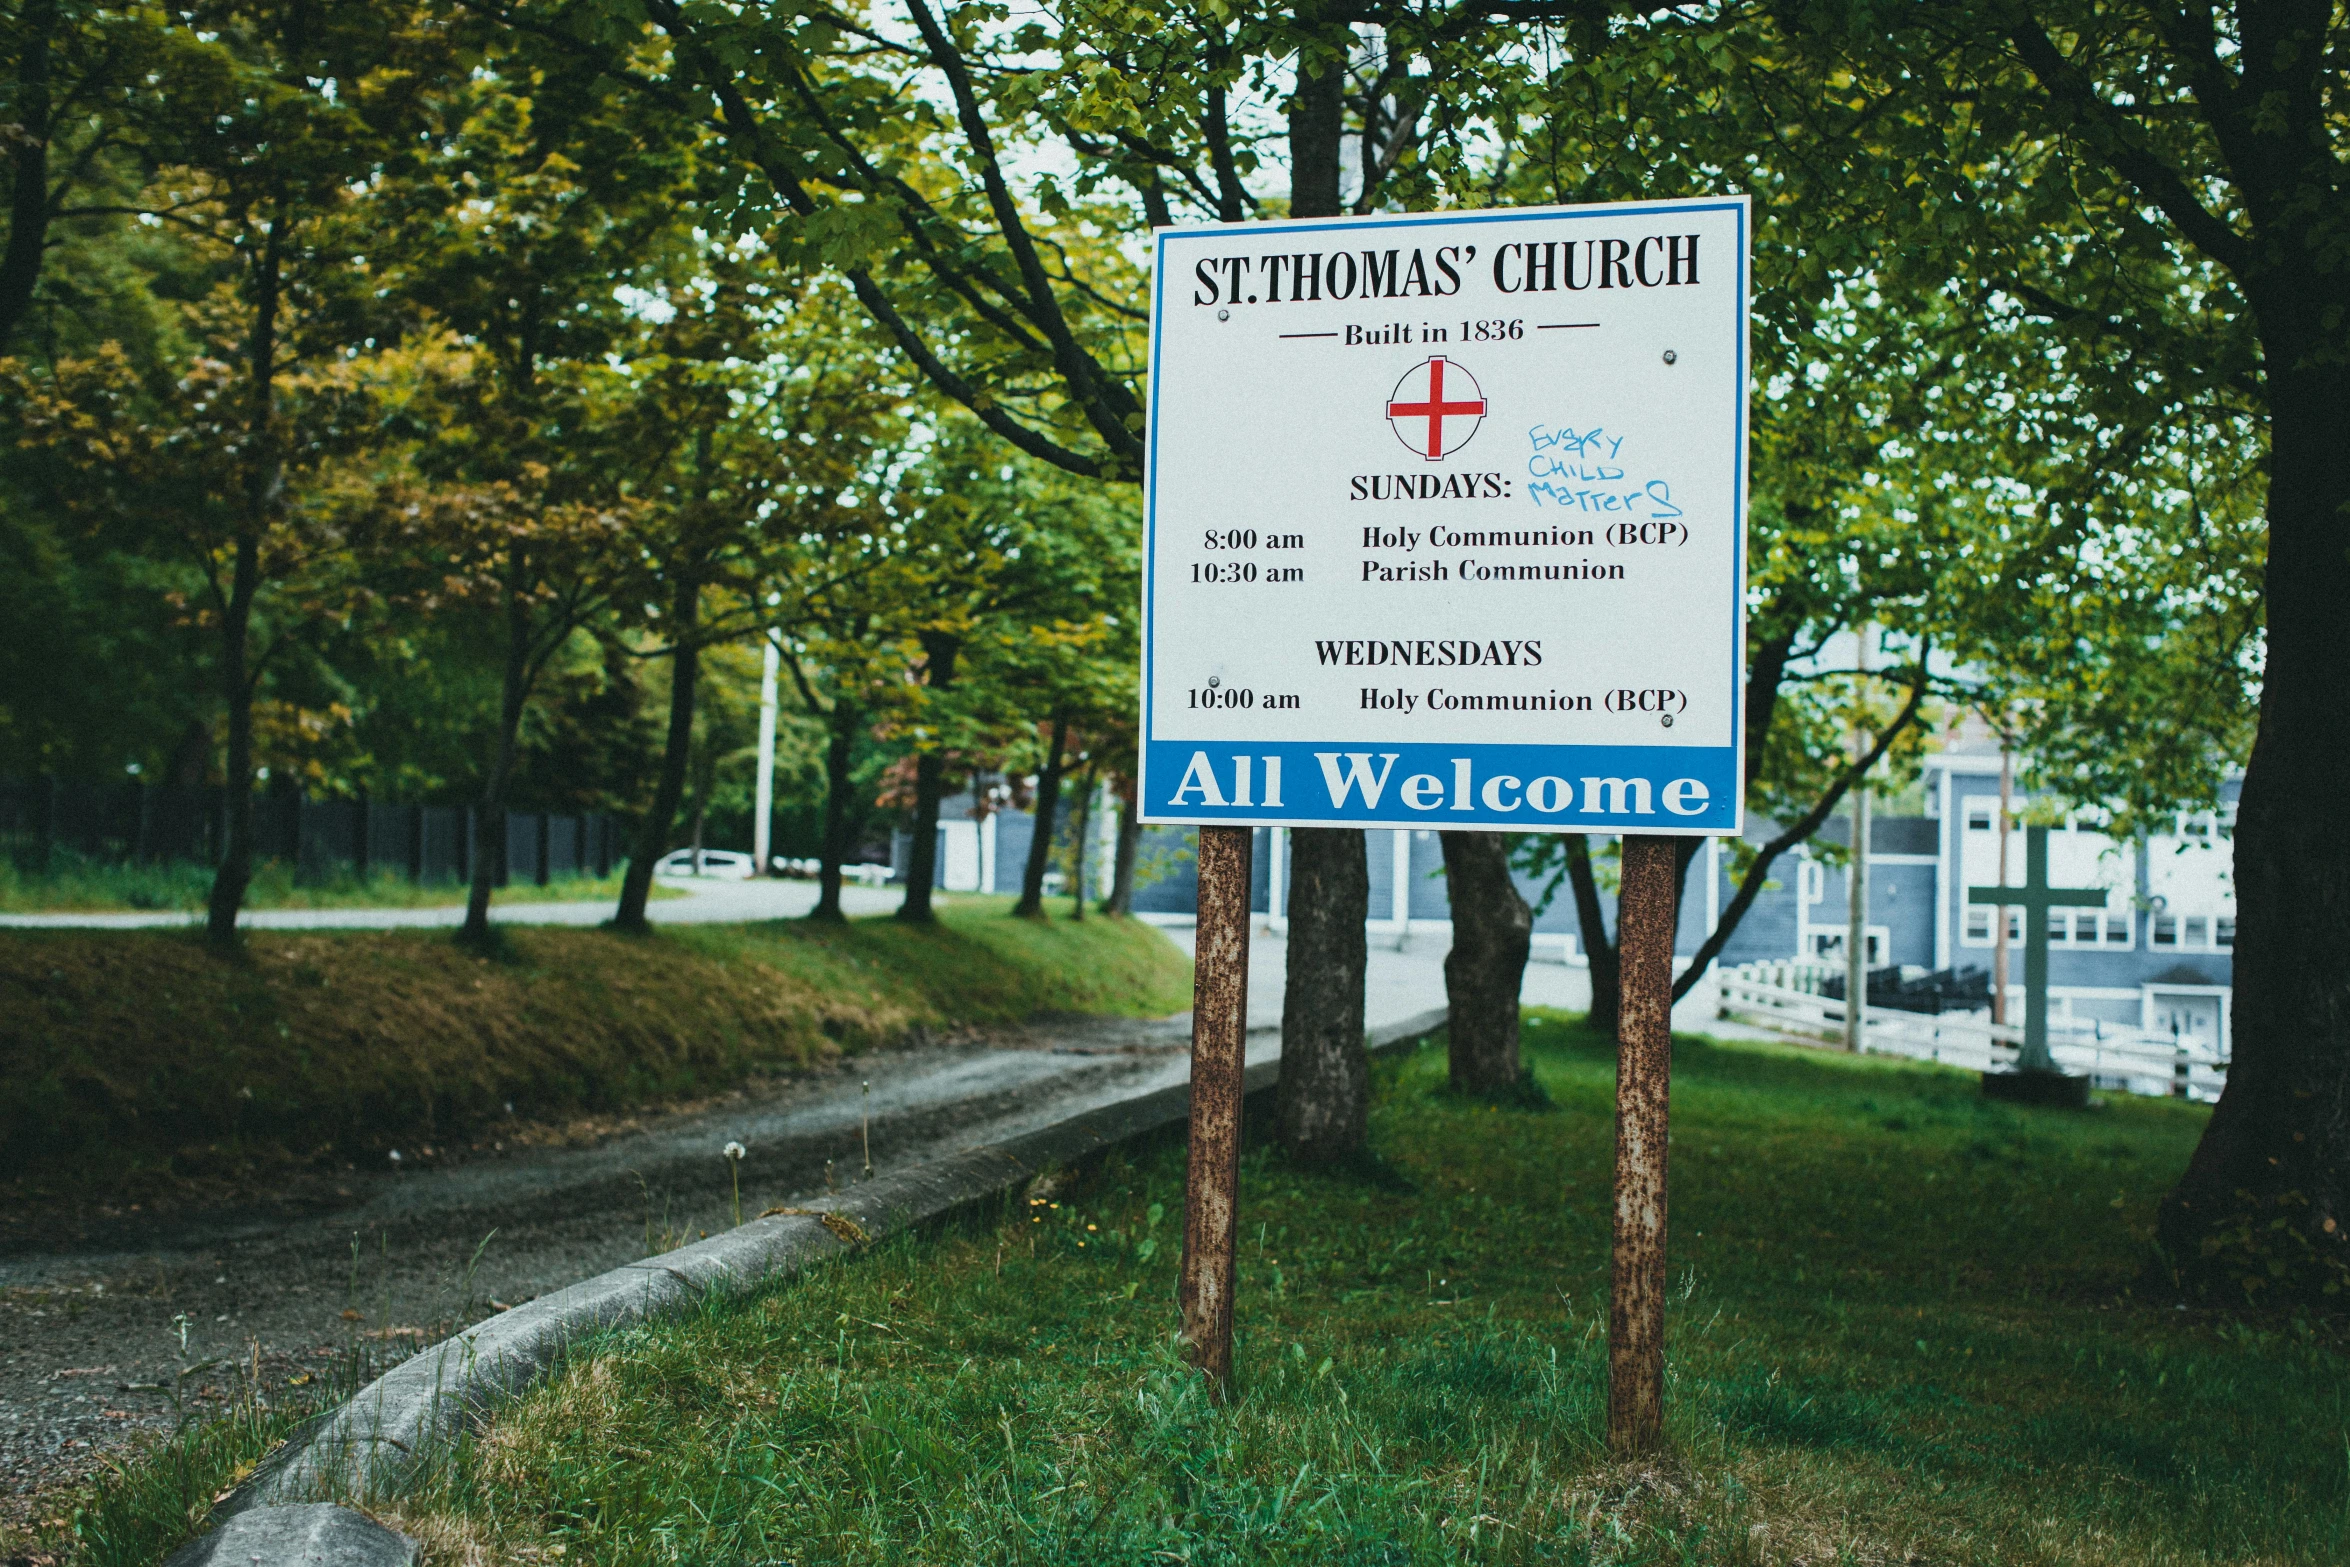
(1785, 997)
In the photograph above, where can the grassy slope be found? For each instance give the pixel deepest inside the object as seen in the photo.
(133, 1054)
(1903, 1331)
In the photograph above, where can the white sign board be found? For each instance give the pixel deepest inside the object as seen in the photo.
(1446, 521)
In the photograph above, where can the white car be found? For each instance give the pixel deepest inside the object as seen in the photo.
(726, 864)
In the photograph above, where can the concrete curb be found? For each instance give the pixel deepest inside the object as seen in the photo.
(373, 1444)
(317, 1535)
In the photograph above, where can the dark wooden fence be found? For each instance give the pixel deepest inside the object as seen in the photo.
(425, 843)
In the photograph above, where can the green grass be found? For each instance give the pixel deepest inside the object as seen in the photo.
(77, 883)
(140, 1064)
(173, 1480)
(1903, 1329)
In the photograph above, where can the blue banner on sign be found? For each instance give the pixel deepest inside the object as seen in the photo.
(1506, 788)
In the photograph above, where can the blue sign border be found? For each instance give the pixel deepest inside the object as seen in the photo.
(1716, 769)
(1509, 788)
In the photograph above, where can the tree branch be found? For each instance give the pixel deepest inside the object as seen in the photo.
(1107, 405)
(2129, 156)
(1751, 886)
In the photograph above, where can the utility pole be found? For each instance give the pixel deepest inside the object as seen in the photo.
(1999, 942)
(1856, 881)
(763, 810)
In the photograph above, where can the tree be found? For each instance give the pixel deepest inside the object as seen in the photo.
(755, 424)
(543, 560)
(76, 110)
(1072, 649)
(1048, 804)
(271, 160)
(1014, 583)
(842, 609)
(1492, 931)
(1119, 784)
(1033, 328)
(1079, 825)
(2167, 199)
(1323, 1100)
(545, 197)
(842, 670)
(1870, 461)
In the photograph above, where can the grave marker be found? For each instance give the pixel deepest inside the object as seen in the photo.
(1445, 528)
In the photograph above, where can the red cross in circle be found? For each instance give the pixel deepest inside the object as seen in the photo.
(1435, 408)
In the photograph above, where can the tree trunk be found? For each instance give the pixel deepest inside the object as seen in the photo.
(1324, 1094)
(1317, 125)
(1120, 903)
(1325, 1071)
(1078, 825)
(1599, 950)
(652, 837)
(839, 788)
(1048, 805)
(922, 858)
(263, 483)
(930, 769)
(235, 871)
(514, 692)
(28, 207)
(1492, 931)
(2278, 1144)
(191, 760)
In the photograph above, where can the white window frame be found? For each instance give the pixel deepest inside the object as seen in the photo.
(1990, 938)
(2226, 994)
(2177, 924)
(1828, 944)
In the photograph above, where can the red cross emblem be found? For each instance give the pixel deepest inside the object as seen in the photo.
(1429, 395)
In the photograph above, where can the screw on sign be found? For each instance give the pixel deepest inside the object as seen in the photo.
(1616, 708)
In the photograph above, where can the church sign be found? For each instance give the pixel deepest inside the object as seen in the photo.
(1446, 521)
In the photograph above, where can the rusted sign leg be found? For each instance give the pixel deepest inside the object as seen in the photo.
(1636, 1287)
(1219, 1034)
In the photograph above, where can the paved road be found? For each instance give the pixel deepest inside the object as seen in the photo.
(708, 901)
(91, 1323)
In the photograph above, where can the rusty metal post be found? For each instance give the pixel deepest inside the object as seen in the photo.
(1644, 1030)
(1219, 1035)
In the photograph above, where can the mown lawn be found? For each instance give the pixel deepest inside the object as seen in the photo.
(1906, 1328)
(138, 1061)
